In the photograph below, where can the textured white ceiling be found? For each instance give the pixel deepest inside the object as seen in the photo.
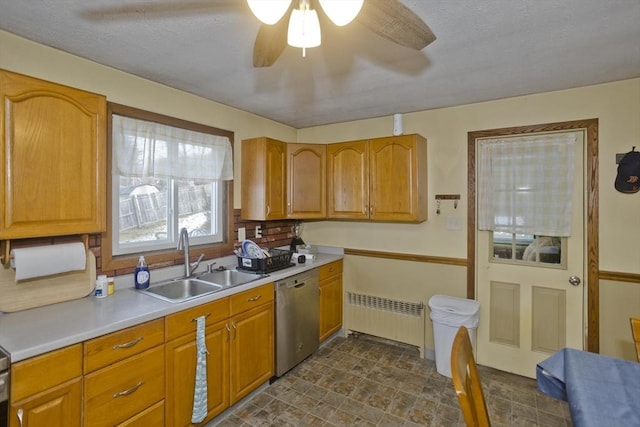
(485, 50)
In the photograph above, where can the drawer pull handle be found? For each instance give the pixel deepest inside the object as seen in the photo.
(205, 316)
(256, 298)
(20, 413)
(128, 344)
(128, 391)
(235, 330)
(228, 332)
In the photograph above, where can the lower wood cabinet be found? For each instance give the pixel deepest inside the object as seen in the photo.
(46, 391)
(114, 394)
(181, 359)
(330, 283)
(145, 375)
(239, 337)
(252, 340)
(124, 376)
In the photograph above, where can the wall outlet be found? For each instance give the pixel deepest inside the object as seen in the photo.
(242, 234)
(258, 231)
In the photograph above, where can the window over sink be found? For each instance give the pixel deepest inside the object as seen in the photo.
(166, 174)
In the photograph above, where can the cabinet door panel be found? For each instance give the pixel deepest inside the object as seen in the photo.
(306, 178)
(397, 168)
(54, 169)
(263, 179)
(348, 180)
(252, 350)
(57, 407)
(181, 373)
(330, 308)
(275, 179)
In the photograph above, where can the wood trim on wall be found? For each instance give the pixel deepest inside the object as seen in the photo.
(407, 257)
(618, 276)
(592, 220)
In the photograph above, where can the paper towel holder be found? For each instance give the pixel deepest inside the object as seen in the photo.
(5, 253)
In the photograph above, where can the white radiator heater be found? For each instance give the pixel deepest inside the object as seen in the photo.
(401, 321)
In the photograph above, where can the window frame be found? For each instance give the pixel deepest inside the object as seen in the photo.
(562, 265)
(168, 256)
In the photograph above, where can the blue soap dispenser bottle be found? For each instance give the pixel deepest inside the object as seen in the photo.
(142, 276)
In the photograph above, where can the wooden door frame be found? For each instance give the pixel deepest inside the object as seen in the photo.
(592, 338)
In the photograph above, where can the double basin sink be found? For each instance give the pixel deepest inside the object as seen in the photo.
(183, 289)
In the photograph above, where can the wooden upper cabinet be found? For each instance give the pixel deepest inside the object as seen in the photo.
(382, 179)
(348, 180)
(398, 178)
(52, 158)
(263, 179)
(306, 181)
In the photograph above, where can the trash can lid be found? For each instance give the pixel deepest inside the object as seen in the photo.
(449, 304)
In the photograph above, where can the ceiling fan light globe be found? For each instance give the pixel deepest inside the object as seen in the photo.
(341, 12)
(304, 29)
(269, 11)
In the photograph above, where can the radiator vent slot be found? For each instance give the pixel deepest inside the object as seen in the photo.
(402, 321)
(386, 304)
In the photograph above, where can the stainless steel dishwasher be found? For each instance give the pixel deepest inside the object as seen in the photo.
(297, 319)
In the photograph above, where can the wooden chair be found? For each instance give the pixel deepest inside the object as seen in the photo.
(635, 332)
(466, 381)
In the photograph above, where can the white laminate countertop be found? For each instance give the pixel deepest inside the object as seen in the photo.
(39, 330)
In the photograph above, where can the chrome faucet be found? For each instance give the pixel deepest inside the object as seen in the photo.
(183, 245)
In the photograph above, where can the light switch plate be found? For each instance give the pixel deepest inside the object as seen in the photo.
(242, 234)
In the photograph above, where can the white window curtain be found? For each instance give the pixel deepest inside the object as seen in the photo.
(525, 184)
(145, 149)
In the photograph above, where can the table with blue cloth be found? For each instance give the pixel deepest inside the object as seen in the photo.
(601, 390)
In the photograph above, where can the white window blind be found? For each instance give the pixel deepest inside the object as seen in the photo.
(525, 184)
(144, 149)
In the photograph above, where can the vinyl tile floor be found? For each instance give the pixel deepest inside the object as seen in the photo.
(365, 381)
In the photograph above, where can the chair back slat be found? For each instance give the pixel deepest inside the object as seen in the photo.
(466, 381)
(635, 332)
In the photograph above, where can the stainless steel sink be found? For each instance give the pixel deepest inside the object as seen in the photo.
(179, 290)
(228, 278)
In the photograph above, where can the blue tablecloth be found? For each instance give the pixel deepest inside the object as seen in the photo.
(601, 391)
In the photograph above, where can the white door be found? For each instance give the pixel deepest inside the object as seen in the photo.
(530, 310)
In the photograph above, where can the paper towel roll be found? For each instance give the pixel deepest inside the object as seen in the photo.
(41, 261)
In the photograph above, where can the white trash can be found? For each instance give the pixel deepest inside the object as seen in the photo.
(448, 314)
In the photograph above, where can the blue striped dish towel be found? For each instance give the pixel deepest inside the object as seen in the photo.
(200, 392)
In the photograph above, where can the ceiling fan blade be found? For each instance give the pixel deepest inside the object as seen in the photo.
(270, 42)
(394, 21)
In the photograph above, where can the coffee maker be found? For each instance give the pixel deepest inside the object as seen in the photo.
(296, 241)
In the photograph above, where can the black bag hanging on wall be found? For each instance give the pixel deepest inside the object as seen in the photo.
(628, 177)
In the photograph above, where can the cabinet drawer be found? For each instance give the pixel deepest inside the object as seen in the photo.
(252, 298)
(182, 323)
(108, 349)
(40, 373)
(153, 416)
(328, 270)
(119, 391)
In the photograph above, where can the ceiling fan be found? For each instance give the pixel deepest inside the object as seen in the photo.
(387, 18)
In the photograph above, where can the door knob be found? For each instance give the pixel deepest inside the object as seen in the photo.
(574, 280)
